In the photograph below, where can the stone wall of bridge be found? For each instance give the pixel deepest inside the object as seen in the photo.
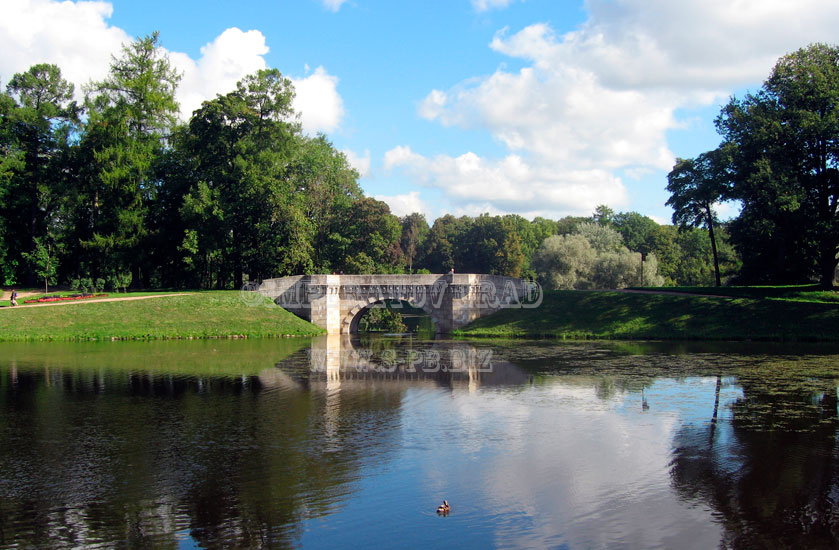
(337, 302)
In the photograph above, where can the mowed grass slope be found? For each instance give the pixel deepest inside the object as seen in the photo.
(196, 315)
(618, 315)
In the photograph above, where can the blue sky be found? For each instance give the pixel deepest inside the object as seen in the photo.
(535, 107)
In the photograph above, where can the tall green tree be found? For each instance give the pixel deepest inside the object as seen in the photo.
(442, 253)
(132, 113)
(603, 215)
(638, 231)
(786, 168)
(695, 185)
(370, 238)
(11, 164)
(41, 123)
(328, 186)
(415, 231)
(241, 209)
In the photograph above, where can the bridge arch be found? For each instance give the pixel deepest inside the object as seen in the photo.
(349, 324)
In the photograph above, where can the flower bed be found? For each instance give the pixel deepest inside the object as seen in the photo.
(57, 298)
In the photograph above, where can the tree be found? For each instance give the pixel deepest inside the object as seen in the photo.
(415, 231)
(565, 261)
(245, 202)
(592, 258)
(370, 229)
(328, 186)
(695, 185)
(441, 247)
(42, 262)
(603, 215)
(639, 232)
(601, 237)
(11, 164)
(785, 168)
(490, 244)
(131, 116)
(41, 123)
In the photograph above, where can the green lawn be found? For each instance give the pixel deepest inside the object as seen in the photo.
(196, 315)
(616, 315)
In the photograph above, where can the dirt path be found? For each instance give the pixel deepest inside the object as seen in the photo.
(96, 300)
(667, 293)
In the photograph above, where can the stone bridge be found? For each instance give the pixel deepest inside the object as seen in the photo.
(337, 302)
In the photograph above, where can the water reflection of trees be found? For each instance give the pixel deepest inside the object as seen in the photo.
(773, 478)
(87, 457)
(769, 466)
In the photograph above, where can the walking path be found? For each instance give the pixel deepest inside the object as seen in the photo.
(667, 293)
(22, 295)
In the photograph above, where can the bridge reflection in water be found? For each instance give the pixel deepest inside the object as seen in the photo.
(337, 361)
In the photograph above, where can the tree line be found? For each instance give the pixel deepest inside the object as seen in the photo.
(115, 191)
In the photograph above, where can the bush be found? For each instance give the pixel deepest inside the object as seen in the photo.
(85, 285)
(564, 261)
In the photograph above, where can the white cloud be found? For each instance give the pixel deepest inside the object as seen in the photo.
(333, 5)
(485, 5)
(361, 163)
(401, 155)
(509, 185)
(727, 210)
(408, 203)
(76, 37)
(433, 105)
(697, 44)
(601, 99)
(320, 105)
(73, 35)
(224, 61)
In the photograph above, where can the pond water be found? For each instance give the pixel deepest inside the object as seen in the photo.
(336, 443)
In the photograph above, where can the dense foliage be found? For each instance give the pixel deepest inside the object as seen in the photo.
(780, 161)
(117, 192)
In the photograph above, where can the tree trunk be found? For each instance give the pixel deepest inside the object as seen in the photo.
(827, 265)
(137, 278)
(713, 243)
(34, 173)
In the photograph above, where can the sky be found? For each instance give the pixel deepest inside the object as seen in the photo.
(533, 107)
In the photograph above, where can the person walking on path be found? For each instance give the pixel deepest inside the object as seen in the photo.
(13, 299)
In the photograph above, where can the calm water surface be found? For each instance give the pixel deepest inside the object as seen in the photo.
(336, 443)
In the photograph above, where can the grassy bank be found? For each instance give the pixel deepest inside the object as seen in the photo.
(196, 315)
(616, 315)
